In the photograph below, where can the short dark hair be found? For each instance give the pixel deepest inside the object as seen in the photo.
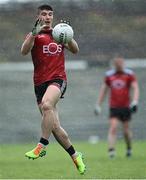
(118, 55)
(45, 7)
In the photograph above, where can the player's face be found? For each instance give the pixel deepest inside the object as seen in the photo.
(47, 17)
(119, 64)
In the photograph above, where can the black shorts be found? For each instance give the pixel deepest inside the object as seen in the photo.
(123, 114)
(41, 89)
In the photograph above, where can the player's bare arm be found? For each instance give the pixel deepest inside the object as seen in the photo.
(27, 44)
(135, 88)
(102, 93)
(72, 46)
(135, 99)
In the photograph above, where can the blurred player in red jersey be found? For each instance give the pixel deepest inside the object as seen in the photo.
(119, 81)
(49, 82)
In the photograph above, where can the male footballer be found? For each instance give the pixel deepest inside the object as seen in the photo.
(119, 81)
(50, 83)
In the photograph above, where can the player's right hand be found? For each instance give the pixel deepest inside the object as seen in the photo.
(65, 21)
(39, 25)
(97, 110)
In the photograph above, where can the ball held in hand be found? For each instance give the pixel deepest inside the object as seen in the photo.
(63, 33)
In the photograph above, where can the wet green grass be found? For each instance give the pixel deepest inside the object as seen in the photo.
(58, 165)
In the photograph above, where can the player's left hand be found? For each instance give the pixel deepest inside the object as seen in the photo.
(134, 106)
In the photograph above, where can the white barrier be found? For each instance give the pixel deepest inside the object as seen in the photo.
(28, 66)
(135, 63)
(70, 65)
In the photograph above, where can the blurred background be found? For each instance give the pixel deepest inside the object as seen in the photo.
(102, 28)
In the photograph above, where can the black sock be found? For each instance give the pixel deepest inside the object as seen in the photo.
(44, 141)
(129, 148)
(71, 150)
(111, 149)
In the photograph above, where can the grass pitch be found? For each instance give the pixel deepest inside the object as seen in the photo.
(58, 165)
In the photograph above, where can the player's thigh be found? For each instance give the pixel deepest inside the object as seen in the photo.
(51, 96)
(113, 121)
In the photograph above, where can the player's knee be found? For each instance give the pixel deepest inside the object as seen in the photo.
(47, 106)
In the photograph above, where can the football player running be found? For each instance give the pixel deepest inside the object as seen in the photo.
(119, 81)
(50, 83)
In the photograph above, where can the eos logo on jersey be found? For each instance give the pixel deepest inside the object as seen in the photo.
(52, 48)
(118, 84)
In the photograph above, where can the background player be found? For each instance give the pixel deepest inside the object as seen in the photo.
(119, 81)
(49, 82)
